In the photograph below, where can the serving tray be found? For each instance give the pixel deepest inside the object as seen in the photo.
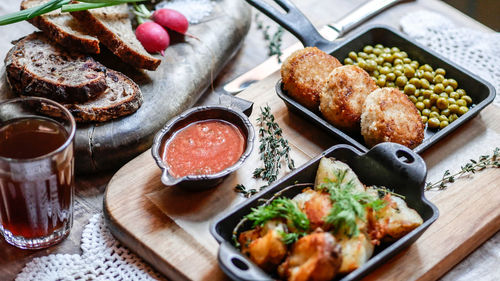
(185, 72)
(169, 228)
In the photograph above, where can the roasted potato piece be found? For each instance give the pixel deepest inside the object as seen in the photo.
(356, 250)
(401, 219)
(330, 169)
(316, 256)
(389, 116)
(342, 98)
(316, 205)
(304, 73)
(263, 245)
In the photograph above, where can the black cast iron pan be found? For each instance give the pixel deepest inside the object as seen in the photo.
(386, 164)
(481, 92)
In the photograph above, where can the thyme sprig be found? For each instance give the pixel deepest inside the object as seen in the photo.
(274, 149)
(473, 166)
(274, 40)
(349, 205)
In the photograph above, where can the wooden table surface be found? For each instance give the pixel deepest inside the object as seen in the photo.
(89, 189)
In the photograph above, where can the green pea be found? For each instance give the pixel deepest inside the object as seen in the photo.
(409, 71)
(368, 49)
(377, 51)
(454, 95)
(442, 103)
(394, 50)
(453, 83)
(438, 79)
(413, 99)
(427, 67)
(451, 101)
(452, 117)
(434, 98)
(461, 103)
(409, 89)
(363, 55)
(446, 112)
(453, 108)
(428, 75)
(425, 111)
(440, 71)
(380, 46)
(397, 61)
(442, 118)
(372, 56)
(424, 83)
(348, 61)
(401, 81)
(420, 105)
(379, 60)
(438, 88)
(385, 70)
(415, 81)
(391, 76)
(461, 92)
(387, 50)
(406, 60)
(362, 64)
(417, 93)
(398, 72)
(404, 54)
(376, 73)
(443, 124)
(448, 89)
(421, 98)
(444, 95)
(371, 65)
(424, 119)
(353, 56)
(427, 103)
(462, 110)
(381, 81)
(415, 64)
(399, 67)
(426, 93)
(433, 123)
(434, 114)
(390, 84)
(466, 98)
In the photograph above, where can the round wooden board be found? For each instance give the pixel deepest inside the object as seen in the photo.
(186, 71)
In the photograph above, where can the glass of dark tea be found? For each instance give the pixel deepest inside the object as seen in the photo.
(36, 172)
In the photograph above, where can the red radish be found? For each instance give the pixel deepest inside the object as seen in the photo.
(171, 19)
(153, 37)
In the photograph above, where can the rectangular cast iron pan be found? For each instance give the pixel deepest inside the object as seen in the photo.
(388, 164)
(481, 92)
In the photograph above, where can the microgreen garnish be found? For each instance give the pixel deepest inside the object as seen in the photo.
(283, 208)
(348, 204)
(473, 166)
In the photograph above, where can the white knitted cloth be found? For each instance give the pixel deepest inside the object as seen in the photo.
(103, 258)
(476, 51)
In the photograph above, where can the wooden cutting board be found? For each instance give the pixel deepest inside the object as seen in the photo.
(168, 227)
(185, 73)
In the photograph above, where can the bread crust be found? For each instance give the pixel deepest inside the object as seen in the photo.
(28, 68)
(389, 116)
(115, 44)
(304, 73)
(61, 36)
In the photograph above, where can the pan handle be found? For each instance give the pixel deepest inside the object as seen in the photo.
(294, 21)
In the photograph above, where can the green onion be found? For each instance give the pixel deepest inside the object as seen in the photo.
(94, 5)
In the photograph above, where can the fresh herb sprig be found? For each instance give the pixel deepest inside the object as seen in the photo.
(273, 147)
(348, 204)
(64, 5)
(473, 166)
(273, 41)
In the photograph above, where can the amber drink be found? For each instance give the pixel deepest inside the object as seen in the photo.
(36, 172)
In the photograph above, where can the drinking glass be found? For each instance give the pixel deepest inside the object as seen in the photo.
(36, 172)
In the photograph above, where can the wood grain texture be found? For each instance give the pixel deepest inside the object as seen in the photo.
(186, 71)
(135, 194)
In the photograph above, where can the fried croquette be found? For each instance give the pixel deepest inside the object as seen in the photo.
(389, 116)
(304, 73)
(343, 96)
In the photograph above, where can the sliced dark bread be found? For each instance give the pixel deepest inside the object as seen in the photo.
(123, 97)
(63, 28)
(113, 27)
(37, 67)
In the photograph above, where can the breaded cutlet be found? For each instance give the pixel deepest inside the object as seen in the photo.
(304, 73)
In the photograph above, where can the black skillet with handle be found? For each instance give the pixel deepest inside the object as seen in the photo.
(481, 92)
